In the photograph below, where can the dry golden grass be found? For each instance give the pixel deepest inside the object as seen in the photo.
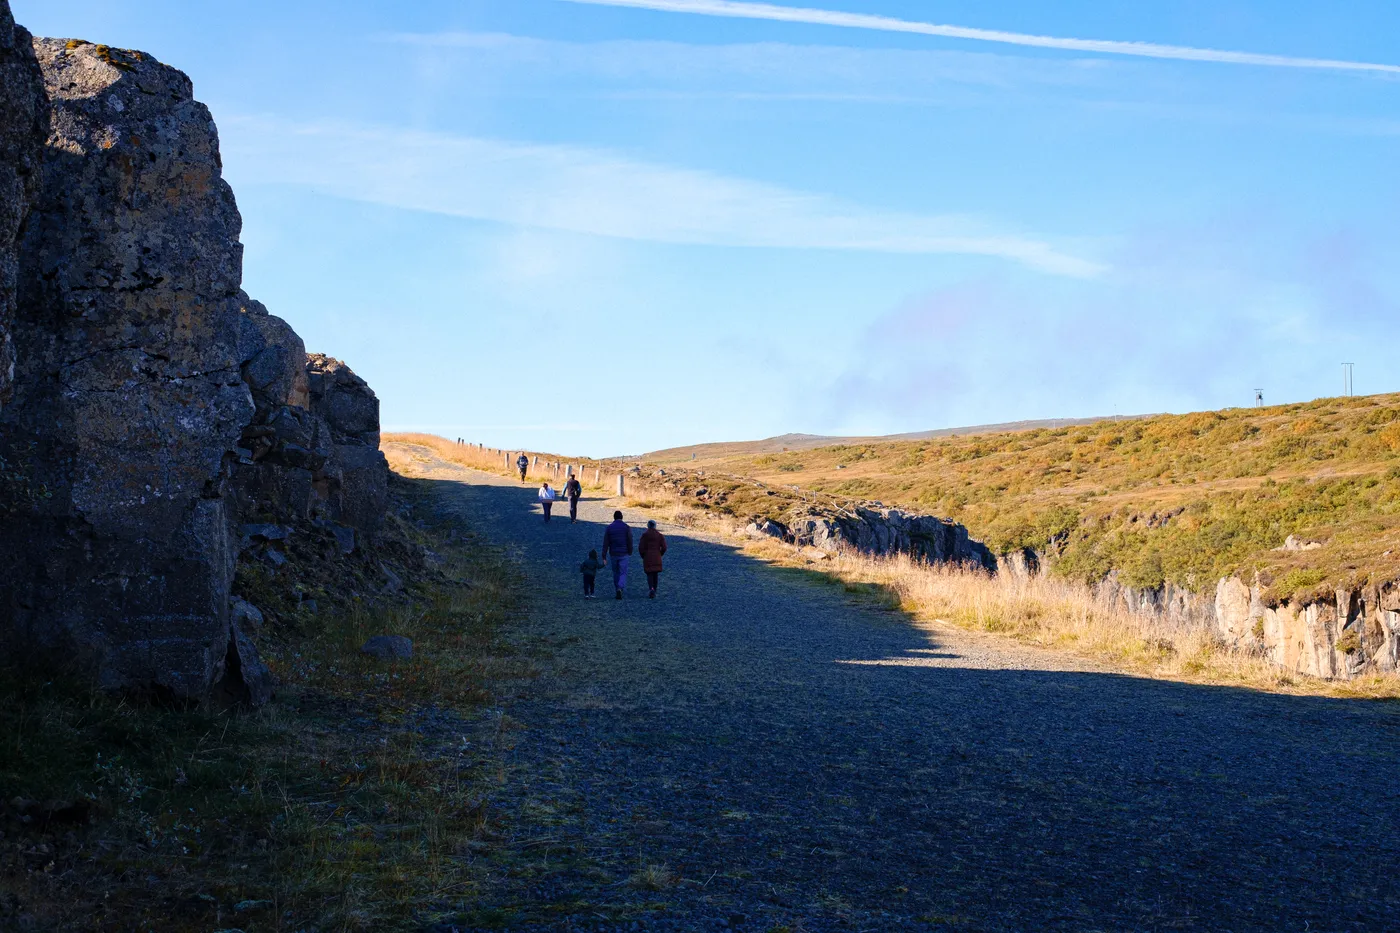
(1045, 611)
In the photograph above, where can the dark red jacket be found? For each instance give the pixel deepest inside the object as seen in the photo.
(651, 547)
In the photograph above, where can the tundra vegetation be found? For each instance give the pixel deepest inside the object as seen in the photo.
(1182, 499)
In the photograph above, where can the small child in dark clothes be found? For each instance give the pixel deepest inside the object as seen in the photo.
(590, 570)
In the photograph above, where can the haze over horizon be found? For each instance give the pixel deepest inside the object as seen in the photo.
(627, 225)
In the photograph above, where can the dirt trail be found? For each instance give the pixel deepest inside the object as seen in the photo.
(753, 751)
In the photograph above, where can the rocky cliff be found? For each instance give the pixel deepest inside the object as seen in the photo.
(1349, 633)
(146, 381)
(1355, 632)
(22, 109)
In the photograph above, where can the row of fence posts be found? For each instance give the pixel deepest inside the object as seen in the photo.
(567, 469)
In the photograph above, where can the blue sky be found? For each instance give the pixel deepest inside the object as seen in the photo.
(598, 229)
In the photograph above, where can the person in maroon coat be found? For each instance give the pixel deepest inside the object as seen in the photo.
(652, 547)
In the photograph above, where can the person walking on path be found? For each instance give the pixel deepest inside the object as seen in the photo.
(652, 547)
(617, 544)
(590, 569)
(572, 490)
(546, 498)
(522, 463)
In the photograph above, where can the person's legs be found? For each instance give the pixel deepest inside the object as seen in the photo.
(573, 508)
(588, 586)
(619, 568)
(547, 507)
(653, 578)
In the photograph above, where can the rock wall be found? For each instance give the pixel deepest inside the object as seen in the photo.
(23, 106)
(311, 453)
(1353, 633)
(147, 384)
(1175, 605)
(357, 491)
(1357, 632)
(128, 384)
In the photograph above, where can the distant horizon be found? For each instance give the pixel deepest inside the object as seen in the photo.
(623, 224)
(991, 427)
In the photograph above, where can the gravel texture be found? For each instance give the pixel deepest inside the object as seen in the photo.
(754, 751)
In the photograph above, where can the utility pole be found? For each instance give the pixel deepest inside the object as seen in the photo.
(1347, 385)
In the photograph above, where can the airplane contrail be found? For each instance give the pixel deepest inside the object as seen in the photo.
(771, 11)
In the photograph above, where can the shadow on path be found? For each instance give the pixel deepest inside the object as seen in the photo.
(796, 757)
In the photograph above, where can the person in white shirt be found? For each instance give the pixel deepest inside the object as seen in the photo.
(546, 498)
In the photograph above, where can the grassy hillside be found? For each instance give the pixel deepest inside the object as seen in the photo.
(1180, 498)
(784, 442)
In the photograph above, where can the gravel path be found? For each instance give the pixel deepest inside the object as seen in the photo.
(757, 752)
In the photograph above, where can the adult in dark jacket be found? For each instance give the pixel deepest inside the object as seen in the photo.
(573, 489)
(652, 547)
(522, 463)
(617, 547)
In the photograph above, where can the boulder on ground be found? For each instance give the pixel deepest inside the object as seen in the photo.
(389, 648)
(244, 614)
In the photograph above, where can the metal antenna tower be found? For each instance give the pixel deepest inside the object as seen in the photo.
(1347, 385)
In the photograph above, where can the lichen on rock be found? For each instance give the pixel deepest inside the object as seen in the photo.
(128, 385)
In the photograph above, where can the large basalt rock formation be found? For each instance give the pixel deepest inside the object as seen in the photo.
(23, 106)
(1353, 633)
(128, 384)
(311, 453)
(358, 491)
(146, 380)
(1350, 633)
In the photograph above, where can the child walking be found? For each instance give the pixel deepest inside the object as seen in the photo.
(590, 570)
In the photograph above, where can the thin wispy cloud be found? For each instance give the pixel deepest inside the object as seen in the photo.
(601, 193)
(754, 69)
(736, 9)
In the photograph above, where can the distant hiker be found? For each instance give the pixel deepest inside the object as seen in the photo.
(652, 547)
(572, 490)
(617, 544)
(590, 570)
(522, 463)
(546, 498)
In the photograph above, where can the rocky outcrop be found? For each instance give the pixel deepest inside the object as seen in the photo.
(128, 384)
(1356, 632)
(1351, 633)
(148, 386)
(1177, 606)
(879, 530)
(825, 523)
(23, 106)
(311, 453)
(358, 487)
